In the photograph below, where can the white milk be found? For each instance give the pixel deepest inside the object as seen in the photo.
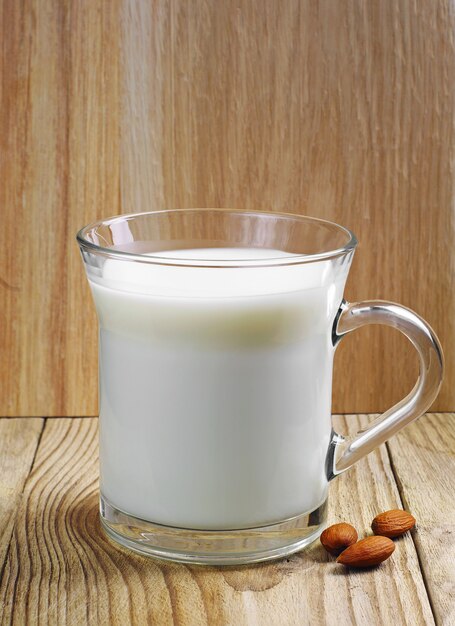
(215, 388)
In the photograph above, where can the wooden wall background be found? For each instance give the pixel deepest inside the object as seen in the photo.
(339, 109)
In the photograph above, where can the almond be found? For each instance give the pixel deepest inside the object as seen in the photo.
(367, 552)
(392, 523)
(338, 537)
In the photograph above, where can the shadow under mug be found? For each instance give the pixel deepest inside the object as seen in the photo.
(218, 329)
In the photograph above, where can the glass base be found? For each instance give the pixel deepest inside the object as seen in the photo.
(213, 547)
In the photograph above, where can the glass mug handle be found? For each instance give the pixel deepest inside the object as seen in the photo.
(431, 365)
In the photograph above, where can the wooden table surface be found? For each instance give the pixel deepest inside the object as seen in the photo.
(57, 567)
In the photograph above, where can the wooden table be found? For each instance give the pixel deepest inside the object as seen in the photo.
(57, 567)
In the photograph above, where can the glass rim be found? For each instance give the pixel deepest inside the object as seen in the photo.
(156, 259)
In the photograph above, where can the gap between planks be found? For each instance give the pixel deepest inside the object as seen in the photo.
(405, 506)
(73, 417)
(422, 458)
(14, 485)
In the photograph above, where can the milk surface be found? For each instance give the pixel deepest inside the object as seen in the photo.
(215, 387)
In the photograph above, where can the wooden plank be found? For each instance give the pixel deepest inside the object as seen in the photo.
(18, 442)
(62, 570)
(341, 110)
(58, 138)
(423, 458)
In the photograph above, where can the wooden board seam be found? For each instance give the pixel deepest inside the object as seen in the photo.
(405, 505)
(13, 529)
(71, 417)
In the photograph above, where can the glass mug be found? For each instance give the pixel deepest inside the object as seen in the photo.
(217, 334)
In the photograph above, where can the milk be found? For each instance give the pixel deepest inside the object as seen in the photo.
(215, 387)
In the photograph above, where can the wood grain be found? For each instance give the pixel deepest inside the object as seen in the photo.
(18, 443)
(58, 138)
(423, 457)
(62, 570)
(342, 110)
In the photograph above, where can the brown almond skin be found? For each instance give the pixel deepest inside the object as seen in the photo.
(367, 552)
(338, 537)
(392, 523)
